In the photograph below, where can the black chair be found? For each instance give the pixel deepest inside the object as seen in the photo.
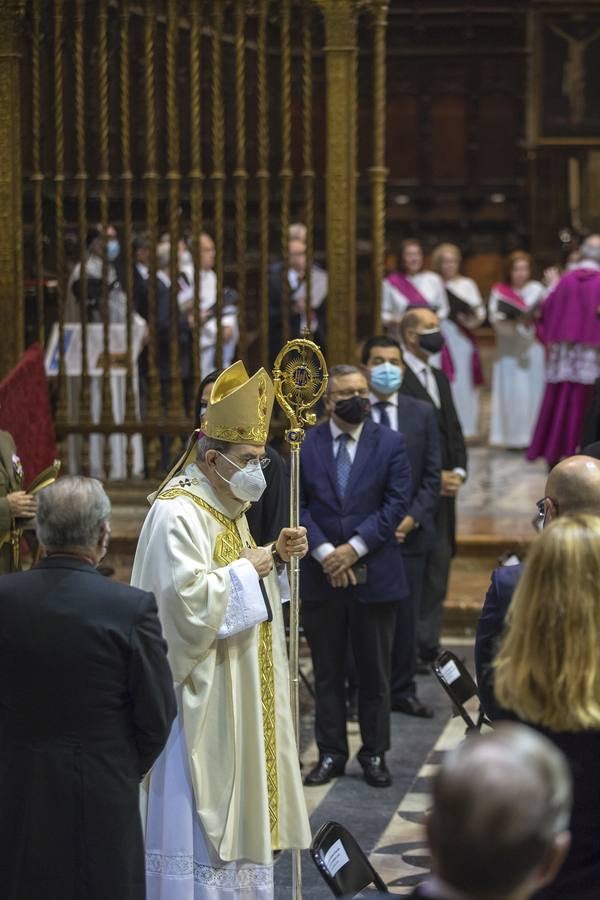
(342, 863)
(458, 684)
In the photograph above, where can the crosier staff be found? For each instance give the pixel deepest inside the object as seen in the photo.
(300, 378)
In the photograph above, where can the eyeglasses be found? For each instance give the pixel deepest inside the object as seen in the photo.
(264, 462)
(541, 506)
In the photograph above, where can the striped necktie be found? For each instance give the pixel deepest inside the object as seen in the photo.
(343, 463)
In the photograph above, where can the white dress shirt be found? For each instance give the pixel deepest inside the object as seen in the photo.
(391, 407)
(427, 378)
(323, 550)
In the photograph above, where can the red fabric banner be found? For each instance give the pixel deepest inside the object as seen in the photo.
(25, 412)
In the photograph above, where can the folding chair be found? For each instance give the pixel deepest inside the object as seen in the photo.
(342, 863)
(458, 684)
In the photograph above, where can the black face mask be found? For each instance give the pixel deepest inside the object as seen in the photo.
(431, 341)
(353, 410)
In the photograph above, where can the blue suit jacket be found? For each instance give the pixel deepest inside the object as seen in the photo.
(417, 421)
(376, 499)
(489, 632)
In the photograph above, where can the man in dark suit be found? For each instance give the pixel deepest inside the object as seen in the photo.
(572, 488)
(355, 487)
(416, 420)
(86, 705)
(498, 827)
(422, 340)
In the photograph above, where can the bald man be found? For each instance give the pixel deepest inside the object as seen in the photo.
(572, 487)
(498, 828)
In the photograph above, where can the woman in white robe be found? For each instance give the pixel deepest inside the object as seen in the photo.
(466, 366)
(518, 375)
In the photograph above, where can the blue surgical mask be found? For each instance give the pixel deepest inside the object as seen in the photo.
(386, 378)
(113, 248)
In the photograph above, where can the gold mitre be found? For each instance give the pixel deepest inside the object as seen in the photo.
(240, 407)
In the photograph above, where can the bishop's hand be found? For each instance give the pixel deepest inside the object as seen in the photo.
(292, 542)
(260, 558)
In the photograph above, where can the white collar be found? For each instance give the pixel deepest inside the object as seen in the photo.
(414, 363)
(162, 276)
(143, 270)
(354, 433)
(390, 400)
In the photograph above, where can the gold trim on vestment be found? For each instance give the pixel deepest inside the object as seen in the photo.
(228, 547)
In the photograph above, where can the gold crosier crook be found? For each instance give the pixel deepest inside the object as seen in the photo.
(300, 378)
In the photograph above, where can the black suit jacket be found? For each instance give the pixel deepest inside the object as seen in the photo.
(489, 631)
(452, 442)
(418, 423)
(271, 513)
(86, 706)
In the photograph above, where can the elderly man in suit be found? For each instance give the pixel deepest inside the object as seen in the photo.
(415, 419)
(86, 705)
(572, 488)
(355, 489)
(422, 340)
(498, 827)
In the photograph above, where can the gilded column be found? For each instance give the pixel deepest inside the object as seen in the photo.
(378, 171)
(11, 231)
(340, 71)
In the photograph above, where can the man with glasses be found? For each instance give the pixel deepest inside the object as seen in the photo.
(226, 792)
(355, 487)
(572, 488)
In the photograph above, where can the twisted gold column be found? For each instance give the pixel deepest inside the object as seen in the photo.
(11, 231)
(176, 413)
(240, 174)
(196, 176)
(81, 178)
(59, 212)
(151, 191)
(37, 176)
(104, 185)
(126, 179)
(378, 171)
(218, 166)
(308, 174)
(262, 176)
(285, 175)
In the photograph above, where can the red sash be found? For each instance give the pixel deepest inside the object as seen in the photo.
(509, 293)
(401, 283)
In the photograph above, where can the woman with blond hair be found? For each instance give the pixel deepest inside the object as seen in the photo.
(518, 375)
(548, 675)
(466, 312)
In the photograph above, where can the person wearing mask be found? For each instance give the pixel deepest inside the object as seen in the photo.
(416, 420)
(466, 313)
(547, 675)
(518, 372)
(301, 317)
(226, 793)
(101, 274)
(572, 487)
(570, 330)
(271, 512)
(498, 828)
(412, 285)
(355, 487)
(422, 340)
(206, 306)
(86, 706)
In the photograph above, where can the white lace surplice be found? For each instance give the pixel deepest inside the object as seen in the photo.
(181, 864)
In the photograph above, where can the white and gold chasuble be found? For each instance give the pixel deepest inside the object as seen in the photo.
(234, 690)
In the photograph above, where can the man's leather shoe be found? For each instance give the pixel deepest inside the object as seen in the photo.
(376, 772)
(412, 706)
(326, 769)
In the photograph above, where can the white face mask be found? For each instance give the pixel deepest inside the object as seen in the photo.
(248, 483)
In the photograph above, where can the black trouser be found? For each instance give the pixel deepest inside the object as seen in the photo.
(404, 653)
(435, 582)
(370, 628)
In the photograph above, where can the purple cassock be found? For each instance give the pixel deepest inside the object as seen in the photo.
(569, 327)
